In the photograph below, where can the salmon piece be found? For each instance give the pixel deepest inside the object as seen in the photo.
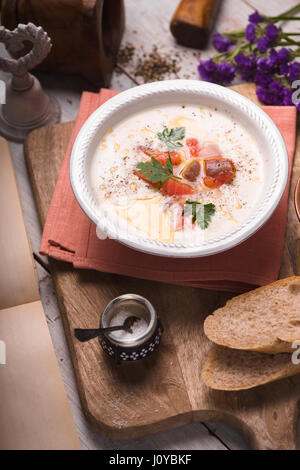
(162, 157)
(171, 187)
(194, 147)
(210, 150)
(174, 187)
(218, 171)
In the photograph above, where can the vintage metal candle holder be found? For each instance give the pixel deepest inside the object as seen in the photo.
(27, 105)
(140, 346)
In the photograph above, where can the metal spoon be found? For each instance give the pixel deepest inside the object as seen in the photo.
(85, 335)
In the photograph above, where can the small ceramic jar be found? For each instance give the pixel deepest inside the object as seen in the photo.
(146, 336)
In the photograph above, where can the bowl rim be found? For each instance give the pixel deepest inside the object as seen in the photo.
(249, 109)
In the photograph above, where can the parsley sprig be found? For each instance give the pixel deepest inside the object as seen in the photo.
(201, 213)
(172, 137)
(154, 171)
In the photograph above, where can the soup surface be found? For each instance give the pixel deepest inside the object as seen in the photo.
(178, 173)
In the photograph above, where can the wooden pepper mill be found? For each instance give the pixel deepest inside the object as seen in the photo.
(27, 106)
(85, 34)
(192, 22)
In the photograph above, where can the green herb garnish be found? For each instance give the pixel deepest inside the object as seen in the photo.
(169, 164)
(171, 137)
(154, 171)
(202, 213)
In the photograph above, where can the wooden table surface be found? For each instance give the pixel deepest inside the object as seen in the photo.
(147, 23)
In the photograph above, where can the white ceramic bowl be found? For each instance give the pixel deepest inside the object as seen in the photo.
(139, 98)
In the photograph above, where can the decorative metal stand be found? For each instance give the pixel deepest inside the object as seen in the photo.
(27, 105)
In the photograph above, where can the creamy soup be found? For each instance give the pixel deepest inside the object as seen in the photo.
(178, 173)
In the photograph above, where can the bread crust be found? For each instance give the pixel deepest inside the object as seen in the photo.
(275, 345)
(232, 370)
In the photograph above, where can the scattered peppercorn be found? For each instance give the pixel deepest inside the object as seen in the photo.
(126, 54)
(154, 66)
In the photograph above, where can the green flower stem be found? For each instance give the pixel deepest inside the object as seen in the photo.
(289, 18)
(288, 43)
(219, 56)
(235, 34)
(237, 50)
(269, 19)
(290, 12)
(243, 46)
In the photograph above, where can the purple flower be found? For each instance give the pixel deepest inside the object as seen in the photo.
(277, 88)
(226, 72)
(279, 60)
(287, 97)
(274, 93)
(294, 71)
(221, 44)
(264, 95)
(284, 69)
(269, 39)
(264, 65)
(263, 79)
(256, 18)
(283, 55)
(208, 70)
(271, 32)
(246, 65)
(250, 32)
(223, 73)
(263, 44)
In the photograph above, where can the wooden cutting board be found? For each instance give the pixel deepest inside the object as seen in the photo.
(165, 390)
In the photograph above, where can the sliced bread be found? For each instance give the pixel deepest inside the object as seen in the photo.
(265, 320)
(231, 369)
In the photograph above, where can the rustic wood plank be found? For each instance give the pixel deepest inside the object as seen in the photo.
(70, 100)
(252, 412)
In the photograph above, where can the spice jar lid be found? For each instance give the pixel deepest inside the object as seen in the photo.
(132, 304)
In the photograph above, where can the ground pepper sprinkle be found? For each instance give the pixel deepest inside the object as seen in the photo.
(151, 66)
(154, 66)
(126, 54)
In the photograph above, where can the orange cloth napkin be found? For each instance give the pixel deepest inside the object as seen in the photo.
(70, 236)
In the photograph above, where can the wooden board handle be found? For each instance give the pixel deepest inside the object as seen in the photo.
(279, 431)
(193, 21)
(269, 416)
